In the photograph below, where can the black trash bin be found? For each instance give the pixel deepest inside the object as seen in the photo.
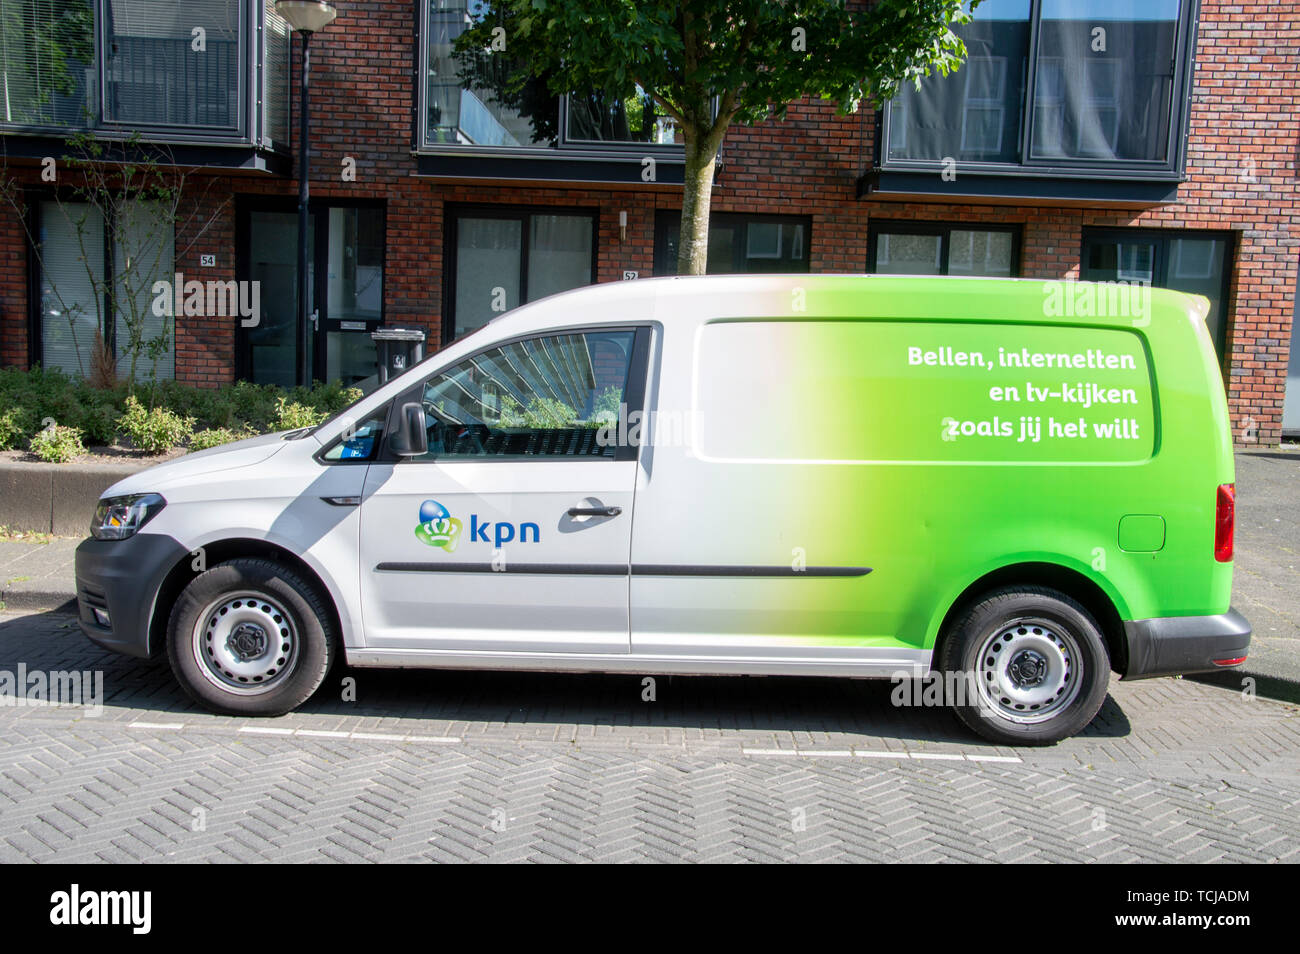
(397, 349)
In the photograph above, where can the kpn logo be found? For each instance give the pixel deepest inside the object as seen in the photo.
(437, 527)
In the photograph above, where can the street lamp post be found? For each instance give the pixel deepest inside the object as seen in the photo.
(305, 17)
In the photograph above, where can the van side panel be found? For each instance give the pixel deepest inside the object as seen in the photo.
(895, 436)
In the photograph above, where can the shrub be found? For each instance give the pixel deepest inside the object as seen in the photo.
(58, 444)
(290, 415)
(155, 430)
(215, 436)
(15, 423)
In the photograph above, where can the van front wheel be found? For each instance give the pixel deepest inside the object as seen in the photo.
(1033, 663)
(250, 637)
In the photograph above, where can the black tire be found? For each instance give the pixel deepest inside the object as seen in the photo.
(1010, 638)
(267, 640)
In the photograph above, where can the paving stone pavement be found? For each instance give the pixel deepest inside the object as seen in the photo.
(449, 766)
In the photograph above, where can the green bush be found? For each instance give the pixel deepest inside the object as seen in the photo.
(242, 409)
(155, 430)
(215, 436)
(15, 424)
(58, 444)
(290, 415)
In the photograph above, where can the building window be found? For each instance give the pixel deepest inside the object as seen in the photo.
(160, 72)
(739, 243)
(927, 248)
(96, 281)
(117, 66)
(47, 57)
(467, 104)
(503, 257)
(1186, 261)
(1054, 83)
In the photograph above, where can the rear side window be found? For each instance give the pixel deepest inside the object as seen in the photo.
(853, 391)
(544, 397)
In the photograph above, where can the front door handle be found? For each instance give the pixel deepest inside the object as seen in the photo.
(595, 511)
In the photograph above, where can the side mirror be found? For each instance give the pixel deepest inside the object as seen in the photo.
(410, 437)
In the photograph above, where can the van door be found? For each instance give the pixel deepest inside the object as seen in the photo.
(513, 533)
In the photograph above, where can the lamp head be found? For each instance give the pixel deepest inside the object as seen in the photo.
(306, 16)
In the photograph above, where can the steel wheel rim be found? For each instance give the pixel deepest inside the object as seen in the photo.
(245, 643)
(1029, 670)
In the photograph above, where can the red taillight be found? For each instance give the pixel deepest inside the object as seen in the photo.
(1233, 661)
(1225, 516)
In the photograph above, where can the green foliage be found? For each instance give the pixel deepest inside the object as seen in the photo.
(155, 430)
(540, 413)
(606, 406)
(291, 415)
(214, 437)
(15, 424)
(58, 444)
(37, 397)
(705, 64)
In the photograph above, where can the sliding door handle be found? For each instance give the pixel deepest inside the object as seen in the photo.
(595, 511)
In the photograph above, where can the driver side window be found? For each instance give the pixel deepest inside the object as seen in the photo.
(547, 396)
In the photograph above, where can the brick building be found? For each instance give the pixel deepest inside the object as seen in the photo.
(1082, 139)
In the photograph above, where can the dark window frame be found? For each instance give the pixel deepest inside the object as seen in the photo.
(454, 211)
(944, 231)
(1170, 169)
(666, 219)
(1162, 240)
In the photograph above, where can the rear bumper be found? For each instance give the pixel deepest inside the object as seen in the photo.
(1173, 645)
(121, 578)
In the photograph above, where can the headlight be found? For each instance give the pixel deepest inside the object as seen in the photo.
(117, 518)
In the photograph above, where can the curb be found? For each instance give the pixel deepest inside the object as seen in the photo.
(38, 601)
(55, 498)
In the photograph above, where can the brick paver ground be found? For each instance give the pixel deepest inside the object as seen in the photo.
(503, 767)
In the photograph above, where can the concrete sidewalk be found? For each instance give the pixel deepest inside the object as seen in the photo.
(1266, 585)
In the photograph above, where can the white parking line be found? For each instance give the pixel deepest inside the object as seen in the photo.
(868, 754)
(264, 730)
(881, 755)
(156, 725)
(438, 739)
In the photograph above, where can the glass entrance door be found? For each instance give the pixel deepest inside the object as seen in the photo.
(345, 256)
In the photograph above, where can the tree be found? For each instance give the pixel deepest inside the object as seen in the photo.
(709, 64)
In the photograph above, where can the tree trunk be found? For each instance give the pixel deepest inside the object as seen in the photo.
(697, 190)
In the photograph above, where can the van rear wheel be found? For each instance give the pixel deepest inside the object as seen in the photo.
(1034, 663)
(250, 637)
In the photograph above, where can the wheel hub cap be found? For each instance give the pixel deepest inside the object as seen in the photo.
(1028, 671)
(248, 641)
(245, 643)
(1028, 668)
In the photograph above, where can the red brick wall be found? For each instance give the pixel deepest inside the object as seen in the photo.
(1247, 67)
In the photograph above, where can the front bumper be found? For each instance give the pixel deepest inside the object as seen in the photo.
(121, 578)
(1174, 645)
